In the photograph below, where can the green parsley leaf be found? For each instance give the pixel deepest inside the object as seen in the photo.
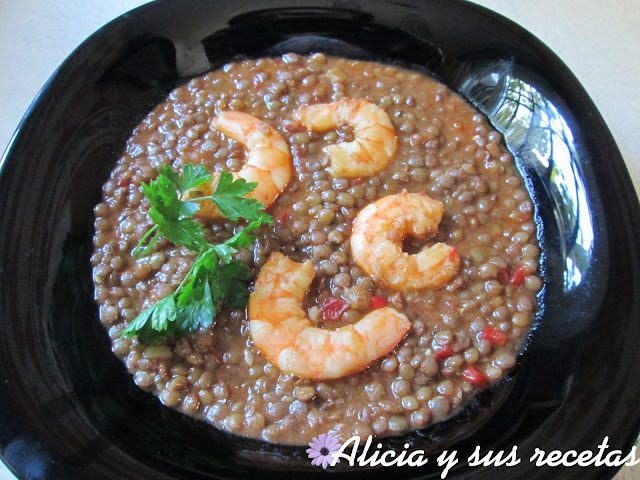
(168, 173)
(183, 232)
(137, 326)
(228, 187)
(215, 279)
(198, 308)
(170, 214)
(163, 312)
(194, 175)
(153, 323)
(230, 199)
(242, 239)
(163, 198)
(234, 292)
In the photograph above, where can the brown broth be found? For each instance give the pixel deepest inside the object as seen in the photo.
(445, 148)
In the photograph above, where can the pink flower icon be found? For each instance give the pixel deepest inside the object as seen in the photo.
(322, 450)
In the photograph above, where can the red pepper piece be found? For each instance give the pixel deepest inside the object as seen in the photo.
(503, 276)
(453, 254)
(525, 218)
(443, 353)
(124, 181)
(283, 216)
(293, 127)
(356, 181)
(376, 302)
(496, 337)
(475, 376)
(333, 309)
(518, 276)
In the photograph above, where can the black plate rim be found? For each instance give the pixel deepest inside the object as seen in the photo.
(627, 191)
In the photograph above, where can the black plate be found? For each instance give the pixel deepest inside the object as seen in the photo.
(68, 409)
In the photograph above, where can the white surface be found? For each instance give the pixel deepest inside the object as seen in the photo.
(598, 40)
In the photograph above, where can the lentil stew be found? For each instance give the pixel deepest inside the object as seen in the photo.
(463, 336)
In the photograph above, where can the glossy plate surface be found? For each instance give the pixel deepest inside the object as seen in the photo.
(68, 409)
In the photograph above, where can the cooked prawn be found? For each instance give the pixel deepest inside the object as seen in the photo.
(281, 330)
(268, 160)
(376, 242)
(375, 138)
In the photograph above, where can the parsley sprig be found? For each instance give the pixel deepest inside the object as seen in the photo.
(215, 279)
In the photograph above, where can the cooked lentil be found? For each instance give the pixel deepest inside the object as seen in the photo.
(445, 148)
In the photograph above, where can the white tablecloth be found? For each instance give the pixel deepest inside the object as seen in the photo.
(598, 40)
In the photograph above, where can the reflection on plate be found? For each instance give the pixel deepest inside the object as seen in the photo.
(68, 408)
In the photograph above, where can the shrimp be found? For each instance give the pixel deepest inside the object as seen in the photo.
(268, 161)
(375, 138)
(376, 242)
(281, 330)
